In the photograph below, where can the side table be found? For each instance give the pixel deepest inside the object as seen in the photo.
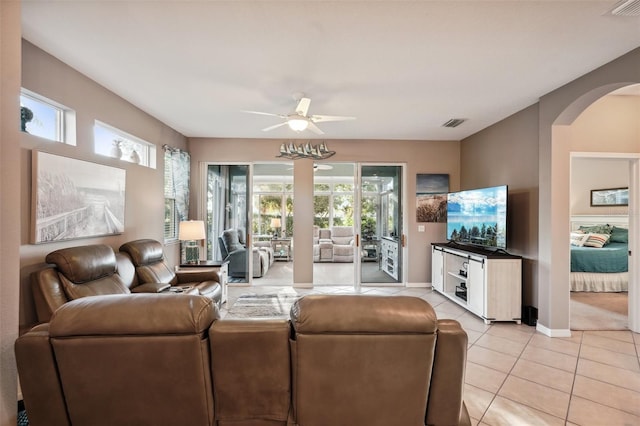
(281, 249)
(210, 265)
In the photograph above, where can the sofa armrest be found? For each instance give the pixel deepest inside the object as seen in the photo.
(150, 288)
(199, 276)
(446, 405)
(48, 294)
(41, 388)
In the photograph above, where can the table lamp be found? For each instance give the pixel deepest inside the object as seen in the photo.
(191, 231)
(275, 224)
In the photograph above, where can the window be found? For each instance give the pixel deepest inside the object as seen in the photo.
(170, 212)
(177, 165)
(115, 143)
(45, 118)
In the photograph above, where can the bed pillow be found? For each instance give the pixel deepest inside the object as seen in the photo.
(596, 240)
(597, 229)
(619, 235)
(578, 239)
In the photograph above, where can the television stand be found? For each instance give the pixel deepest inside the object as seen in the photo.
(485, 282)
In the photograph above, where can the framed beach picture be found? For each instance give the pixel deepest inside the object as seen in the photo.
(74, 199)
(609, 197)
(431, 197)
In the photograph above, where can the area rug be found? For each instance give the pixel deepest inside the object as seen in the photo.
(270, 305)
(599, 311)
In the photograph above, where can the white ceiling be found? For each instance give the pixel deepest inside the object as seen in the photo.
(403, 68)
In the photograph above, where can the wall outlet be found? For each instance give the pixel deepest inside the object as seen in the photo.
(420, 228)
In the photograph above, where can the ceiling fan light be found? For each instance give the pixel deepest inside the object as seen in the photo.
(298, 124)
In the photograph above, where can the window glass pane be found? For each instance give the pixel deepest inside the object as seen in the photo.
(343, 210)
(267, 187)
(321, 211)
(111, 142)
(343, 187)
(170, 228)
(322, 187)
(41, 119)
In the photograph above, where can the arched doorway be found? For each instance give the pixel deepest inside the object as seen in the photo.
(555, 146)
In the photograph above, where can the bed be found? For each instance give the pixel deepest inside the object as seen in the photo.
(599, 254)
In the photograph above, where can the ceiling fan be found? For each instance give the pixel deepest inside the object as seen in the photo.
(300, 120)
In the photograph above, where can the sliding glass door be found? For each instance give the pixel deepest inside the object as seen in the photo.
(381, 224)
(227, 218)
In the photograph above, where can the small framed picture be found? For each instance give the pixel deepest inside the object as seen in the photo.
(609, 197)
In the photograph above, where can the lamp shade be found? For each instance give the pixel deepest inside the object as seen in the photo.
(191, 230)
(275, 223)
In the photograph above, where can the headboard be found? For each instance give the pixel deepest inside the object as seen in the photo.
(621, 221)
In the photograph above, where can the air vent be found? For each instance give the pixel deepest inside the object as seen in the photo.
(455, 122)
(627, 8)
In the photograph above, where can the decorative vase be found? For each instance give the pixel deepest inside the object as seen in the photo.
(116, 151)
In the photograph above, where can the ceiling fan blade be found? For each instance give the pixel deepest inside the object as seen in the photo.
(303, 106)
(314, 128)
(266, 113)
(266, 129)
(321, 118)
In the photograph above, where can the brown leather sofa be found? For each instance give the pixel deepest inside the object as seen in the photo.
(150, 359)
(94, 270)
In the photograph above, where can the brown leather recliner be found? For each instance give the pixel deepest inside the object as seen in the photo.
(150, 267)
(139, 359)
(370, 360)
(151, 359)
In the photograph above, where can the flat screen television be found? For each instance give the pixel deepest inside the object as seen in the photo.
(478, 217)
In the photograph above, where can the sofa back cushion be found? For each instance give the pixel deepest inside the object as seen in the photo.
(257, 353)
(352, 339)
(342, 235)
(143, 252)
(148, 364)
(84, 263)
(231, 240)
(324, 234)
(87, 271)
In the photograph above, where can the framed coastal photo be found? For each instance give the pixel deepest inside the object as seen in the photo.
(431, 197)
(74, 199)
(609, 197)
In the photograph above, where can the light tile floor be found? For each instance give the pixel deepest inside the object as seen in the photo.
(516, 376)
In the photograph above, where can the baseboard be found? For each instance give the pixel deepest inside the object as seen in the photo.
(419, 285)
(302, 285)
(553, 332)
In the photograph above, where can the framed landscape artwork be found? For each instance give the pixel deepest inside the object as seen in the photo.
(609, 197)
(431, 197)
(75, 199)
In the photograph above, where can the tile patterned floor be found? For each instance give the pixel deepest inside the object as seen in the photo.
(516, 376)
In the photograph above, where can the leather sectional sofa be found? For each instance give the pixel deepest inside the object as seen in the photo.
(149, 359)
(93, 270)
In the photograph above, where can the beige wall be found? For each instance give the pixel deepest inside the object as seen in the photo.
(551, 129)
(506, 153)
(419, 157)
(596, 173)
(10, 217)
(144, 204)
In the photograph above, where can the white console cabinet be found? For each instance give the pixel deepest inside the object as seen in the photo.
(389, 259)
(486, 283)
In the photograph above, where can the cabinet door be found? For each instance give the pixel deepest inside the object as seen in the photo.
(475, 287)
(437, 270)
